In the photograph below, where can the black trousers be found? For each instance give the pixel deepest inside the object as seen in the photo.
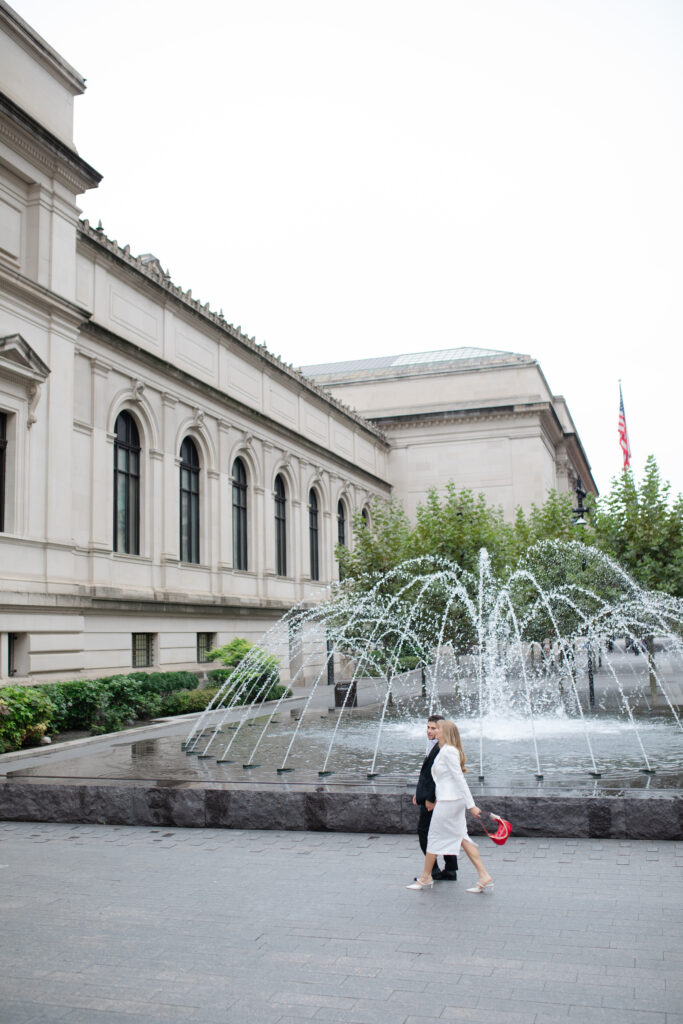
(450, 860)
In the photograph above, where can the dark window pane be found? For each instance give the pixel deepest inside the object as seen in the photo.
(3, 468)
(239, 515)
(143, 650)
(341, 525)
(204, 645)
(280, 527)
(189, 502)
(126, 485)
(313, 534)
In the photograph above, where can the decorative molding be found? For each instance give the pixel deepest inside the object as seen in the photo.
(33, 399)
(137, 388)
(20, 362)
(58, 160)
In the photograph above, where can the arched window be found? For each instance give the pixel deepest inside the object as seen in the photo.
(365, 515)
(341, 525)
(189, 501)
(239, 515)
(3, 467)
(280, 527)
(126, 485)
(313, 533)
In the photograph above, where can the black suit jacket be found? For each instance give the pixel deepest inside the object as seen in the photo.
(426, 787)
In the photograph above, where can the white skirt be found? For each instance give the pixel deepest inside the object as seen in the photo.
(447, 828)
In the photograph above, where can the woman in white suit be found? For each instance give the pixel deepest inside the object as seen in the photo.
(448, 828)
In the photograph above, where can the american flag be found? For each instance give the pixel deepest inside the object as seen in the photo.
(623, 432)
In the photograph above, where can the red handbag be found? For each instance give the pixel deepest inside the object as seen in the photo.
(502, 832)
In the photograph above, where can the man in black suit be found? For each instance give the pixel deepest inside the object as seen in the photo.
(425, 798)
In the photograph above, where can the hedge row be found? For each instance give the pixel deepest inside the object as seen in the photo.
(27, 713)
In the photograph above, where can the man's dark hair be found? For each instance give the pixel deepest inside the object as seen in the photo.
(436, 718)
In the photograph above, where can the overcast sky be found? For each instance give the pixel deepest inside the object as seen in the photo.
(377, 176)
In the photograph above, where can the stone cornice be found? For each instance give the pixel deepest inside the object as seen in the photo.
(43, 298)
(43, 148)
(267, 424)
(151, 271)
(158, 603)
(407, 421)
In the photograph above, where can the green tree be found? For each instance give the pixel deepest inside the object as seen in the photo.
(381, 543)
(456, 524)
(642, 529)
(553, 520)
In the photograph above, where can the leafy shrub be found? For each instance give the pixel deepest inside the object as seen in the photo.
(113, 703)
(247, 688)
(24, 716)
(166, 682)
(232, 653)
(75, 704)
(184, 702)
(255, 674)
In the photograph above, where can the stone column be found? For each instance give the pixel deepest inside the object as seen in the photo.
(170, 553)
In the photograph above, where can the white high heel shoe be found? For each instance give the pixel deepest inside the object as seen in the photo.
(420, 884)
(487, 887)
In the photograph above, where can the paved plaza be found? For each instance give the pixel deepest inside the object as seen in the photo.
(132, 925)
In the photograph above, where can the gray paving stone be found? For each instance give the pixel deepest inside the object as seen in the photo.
(136, 925)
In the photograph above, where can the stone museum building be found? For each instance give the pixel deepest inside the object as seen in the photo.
(166, 483)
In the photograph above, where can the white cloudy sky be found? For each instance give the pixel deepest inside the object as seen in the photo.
(381, 176)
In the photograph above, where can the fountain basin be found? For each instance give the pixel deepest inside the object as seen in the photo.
(144, 778)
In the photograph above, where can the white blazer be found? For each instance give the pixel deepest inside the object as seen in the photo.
(448, 776)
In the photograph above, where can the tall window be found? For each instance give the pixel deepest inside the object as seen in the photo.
(239, 515)
(313, 533)
(341, 525)
(189, 501)
(126, 485)
(3, 467)
(280, 527)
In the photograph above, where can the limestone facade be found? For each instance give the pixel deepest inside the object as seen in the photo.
(482, 418)
(89, 332)
(166, 483)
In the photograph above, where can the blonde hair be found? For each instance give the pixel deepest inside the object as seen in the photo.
(451, 737)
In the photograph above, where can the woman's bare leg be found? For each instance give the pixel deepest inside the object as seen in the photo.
(473, 854)
(430, 861)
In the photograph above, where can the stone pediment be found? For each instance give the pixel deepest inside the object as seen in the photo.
(153, 265)
(18, 360)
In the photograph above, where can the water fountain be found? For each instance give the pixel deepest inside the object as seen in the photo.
(566, 681)
(508, 660)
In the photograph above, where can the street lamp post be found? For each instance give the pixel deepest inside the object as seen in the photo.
(580, 513)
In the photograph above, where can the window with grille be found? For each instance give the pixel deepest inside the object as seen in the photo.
(143, 650)
(239, 515)
(313, 534)
(189, 502)
(126, 485)
(280, 527)
(205, 643)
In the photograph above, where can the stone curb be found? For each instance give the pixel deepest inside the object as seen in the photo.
(198, 805)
